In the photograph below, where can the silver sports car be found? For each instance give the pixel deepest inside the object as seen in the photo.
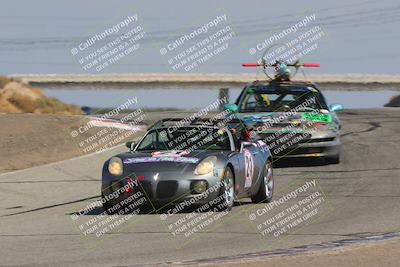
(199, 163)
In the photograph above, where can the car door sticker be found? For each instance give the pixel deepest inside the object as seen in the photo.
(248, 167)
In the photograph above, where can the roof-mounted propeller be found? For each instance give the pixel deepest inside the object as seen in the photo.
(276, 56)
(282, 72)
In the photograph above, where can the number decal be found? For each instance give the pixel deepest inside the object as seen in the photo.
(248, 167)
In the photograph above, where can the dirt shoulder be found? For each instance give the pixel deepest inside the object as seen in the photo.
(385, 253)
(28, 140)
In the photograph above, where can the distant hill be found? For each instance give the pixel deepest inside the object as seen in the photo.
(16, 97)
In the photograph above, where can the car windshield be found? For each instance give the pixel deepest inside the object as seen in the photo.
(282, 100)
(189, 139)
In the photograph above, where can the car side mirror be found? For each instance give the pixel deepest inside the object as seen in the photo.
(244, 144)
(131, 145)
(231, 107)
(335, 108)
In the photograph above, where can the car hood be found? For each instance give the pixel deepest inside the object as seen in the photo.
(288, 121)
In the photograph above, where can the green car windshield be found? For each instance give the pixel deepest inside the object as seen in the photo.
(190, 139)
(281, 101)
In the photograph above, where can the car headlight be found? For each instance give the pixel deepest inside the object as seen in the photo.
(115, 166)
(206, 165)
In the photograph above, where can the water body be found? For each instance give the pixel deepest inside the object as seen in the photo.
(196, 97)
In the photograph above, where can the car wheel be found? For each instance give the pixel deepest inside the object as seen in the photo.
(266, 189)
(227, 192)
(333, 160)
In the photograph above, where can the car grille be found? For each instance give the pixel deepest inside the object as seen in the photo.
(145, 188)
(166, 189)
(318, 140)
(305, 150)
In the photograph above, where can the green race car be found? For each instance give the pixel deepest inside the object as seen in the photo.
(293, 119)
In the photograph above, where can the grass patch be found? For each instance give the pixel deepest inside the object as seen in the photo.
(42, 105)
(4, 80)
(24, 103)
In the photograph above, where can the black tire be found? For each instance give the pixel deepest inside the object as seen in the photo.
(227, 192)
(333, 160)
(266, 183)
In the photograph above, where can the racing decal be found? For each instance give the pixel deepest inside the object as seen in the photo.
(267, 119)
(251, 119)
(261, 143)
(161, 159)
(173, 153)
(318, 117)
(248, 168)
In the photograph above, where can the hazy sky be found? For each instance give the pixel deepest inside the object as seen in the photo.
(37, 36)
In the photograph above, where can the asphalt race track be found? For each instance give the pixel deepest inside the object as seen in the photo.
(362, 196)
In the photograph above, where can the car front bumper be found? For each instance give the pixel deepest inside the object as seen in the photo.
(312, 148)
(161, 189)
(298, 145)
